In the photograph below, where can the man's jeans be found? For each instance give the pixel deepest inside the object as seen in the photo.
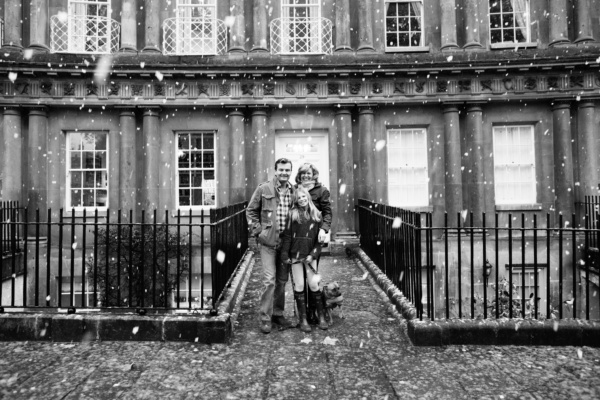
(275, 277)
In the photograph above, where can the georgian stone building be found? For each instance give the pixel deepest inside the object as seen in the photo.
(442, 105)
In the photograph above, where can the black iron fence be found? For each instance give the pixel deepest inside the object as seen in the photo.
(518, 267)
(108, 261)
(11, 232)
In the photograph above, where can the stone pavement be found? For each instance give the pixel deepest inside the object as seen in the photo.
(365, 356)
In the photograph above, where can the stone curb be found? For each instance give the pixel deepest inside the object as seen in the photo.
(199, 328)
(504, 331)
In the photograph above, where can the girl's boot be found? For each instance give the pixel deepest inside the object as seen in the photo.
(301, 304)
(318, 299)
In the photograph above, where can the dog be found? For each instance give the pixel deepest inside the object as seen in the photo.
(332, 298)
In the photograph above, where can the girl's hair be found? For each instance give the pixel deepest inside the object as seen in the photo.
(305, 167)
(299, 214)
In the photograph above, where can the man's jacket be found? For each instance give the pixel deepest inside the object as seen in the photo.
(262, 214)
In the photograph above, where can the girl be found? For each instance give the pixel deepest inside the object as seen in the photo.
(301, 249)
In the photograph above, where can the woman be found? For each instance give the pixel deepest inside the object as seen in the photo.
(308, 177)
(300, 247)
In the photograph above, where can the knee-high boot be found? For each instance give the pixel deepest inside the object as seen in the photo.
(318, 299)
(301, 304)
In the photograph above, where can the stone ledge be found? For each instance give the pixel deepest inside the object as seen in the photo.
(199, 328)
(516, 331)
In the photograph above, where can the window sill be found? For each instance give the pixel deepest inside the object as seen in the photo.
(418, 209)
(518, 207)
(408, 49)
(195, 212)
(78, 213)
(506, 46)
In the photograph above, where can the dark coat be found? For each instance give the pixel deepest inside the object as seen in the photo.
(300, 240)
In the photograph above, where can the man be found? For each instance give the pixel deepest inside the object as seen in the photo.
(266, 213)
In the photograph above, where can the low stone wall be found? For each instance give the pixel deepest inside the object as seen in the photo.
(504, 331)
(191, 327)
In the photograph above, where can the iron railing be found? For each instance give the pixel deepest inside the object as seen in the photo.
(194, 36)
(301, 36)
(11, 234)
(86, 260)
(518, 267)
(84, 34)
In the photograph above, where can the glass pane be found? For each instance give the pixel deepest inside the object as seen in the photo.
(209, 175)
(88, 198)
(100, 141)
(196, 160)
(89, 141)
(495, 21)
(184, 141)
(403, 9)
(392, 10)
(196, 142)
(508, 36)
(197, 179)
(184, 159)
(75, 198)
(89, 179)
(101, 198)
(507, 5)
(75, 141)
(76, 179)
(208, 142)
(75, 160)
(403, 39)
(209, 160)
(415, 39)
(209, 197)
(88, 160)
(184, 179)
(494, 6)
(403, 24)
(391, 40)
(391, 25)
(184, 197)
(197, 197)
(508, 21)
(100, 159)
(101, 179)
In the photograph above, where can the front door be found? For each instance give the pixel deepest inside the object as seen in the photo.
(305, 147)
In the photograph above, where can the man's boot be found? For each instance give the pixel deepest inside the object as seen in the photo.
(301, 304)
(318, 299)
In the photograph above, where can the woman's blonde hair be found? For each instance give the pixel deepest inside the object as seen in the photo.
(305, 167)
(304, 214)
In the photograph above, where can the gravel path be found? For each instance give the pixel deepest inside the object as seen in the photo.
(365, 356)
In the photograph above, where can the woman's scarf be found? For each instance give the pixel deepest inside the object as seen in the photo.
(308, 185)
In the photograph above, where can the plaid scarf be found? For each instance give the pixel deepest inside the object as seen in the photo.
(285, 203)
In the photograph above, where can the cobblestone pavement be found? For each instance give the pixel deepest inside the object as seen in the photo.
(365, 356)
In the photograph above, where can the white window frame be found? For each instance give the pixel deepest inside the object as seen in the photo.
(78, 41)
(180, 153)
(197, 288)
(516, 272)
(185, 20)
(514, 43)
(512, 156)
(313, 37)
(106, 170)
(412, 48)
(64, 289)
(414, 163)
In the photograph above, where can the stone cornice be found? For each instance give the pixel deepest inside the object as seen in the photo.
(257, 91)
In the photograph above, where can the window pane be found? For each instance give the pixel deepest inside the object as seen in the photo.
(392, 40)
(101, 198)
(207, 142)
(76, 179)
(100, 159)
(88, 198)
(75, 141)
(184, 142)
(403, 39)
(184, 179)
(88, 181)
(75, 160)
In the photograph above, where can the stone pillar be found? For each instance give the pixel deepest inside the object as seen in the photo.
(38, 28)
(223, 161)
(558, 23)
(584, 22)
(472, 25)
(344, 217)
(365, 26)
(452, 153)
(259, 136)
(475, 178)
(238, 157)
(128, 27)
(36, 179)
(589, 150)
(366, 166)
(152, 22)
(237, 38)
(11, 164)
(564, 182)
(342, 26)
(151, 146)
(260, 27)
(448, 25)
(13, 26)
(128, 165)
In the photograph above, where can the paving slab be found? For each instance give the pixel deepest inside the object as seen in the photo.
(367, 355)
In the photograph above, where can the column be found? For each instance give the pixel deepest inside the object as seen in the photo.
(558, 23)
(13, 26)
(471, 25)
(238, 157)
(342, 26)
(344, 214)
(36, 182)
(259, 136)
(260, 27)
(584, 22)
(11, 165)
(475, 178)
(452, 153)
(366, 166)
(152, 28)
(589, 150)
(223, 161)
(151, 161)
(127, 162)
(128, 27)
(237, 39)
(448, 25)
(38, 28)
(564, 182)
(365, 26)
